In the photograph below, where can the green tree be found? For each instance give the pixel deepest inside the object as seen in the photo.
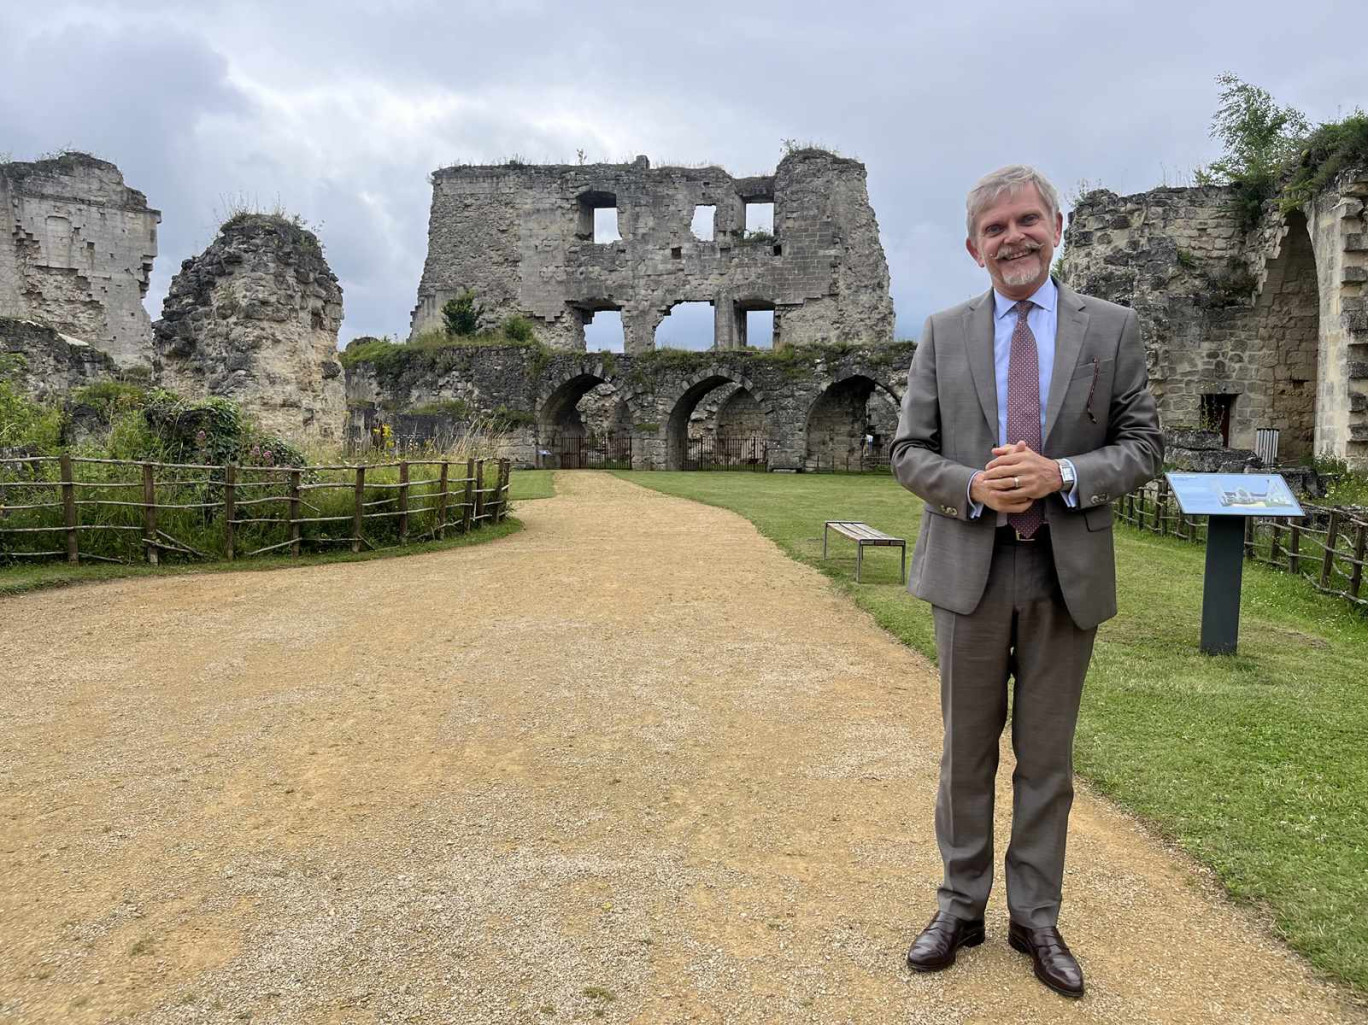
(1260, 139)
(460, 314)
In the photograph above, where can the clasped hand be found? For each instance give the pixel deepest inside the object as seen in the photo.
(1015, 478)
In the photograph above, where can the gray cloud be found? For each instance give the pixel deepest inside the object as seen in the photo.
(338, 112)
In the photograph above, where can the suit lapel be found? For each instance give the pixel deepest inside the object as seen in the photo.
(1071, 327)
(978, 340)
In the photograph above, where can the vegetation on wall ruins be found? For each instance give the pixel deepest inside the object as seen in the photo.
(1273, 154)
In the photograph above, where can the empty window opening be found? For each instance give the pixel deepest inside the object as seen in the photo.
(603, 331)
(778, 249)
(759, 329)
(597, 217)
(677, 252)
(1215, 415)
(704, 223)
(606, 225)
(689, 325)
(759, 220)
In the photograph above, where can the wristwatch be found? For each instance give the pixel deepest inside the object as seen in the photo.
(1066, 475)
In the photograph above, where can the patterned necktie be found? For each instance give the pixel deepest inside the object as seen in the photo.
(1023, 406)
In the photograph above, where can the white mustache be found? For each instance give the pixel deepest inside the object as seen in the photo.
(1021, 250)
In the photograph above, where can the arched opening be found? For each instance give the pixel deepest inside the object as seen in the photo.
(584, 424)
(1288, 314)
(850, 427)
(694, 436)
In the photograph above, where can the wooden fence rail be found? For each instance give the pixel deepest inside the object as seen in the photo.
(272, 507)
(1326, 548)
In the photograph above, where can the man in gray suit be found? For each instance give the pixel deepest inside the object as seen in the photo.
(1027, 413)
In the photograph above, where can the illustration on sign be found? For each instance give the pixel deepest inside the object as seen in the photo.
(1234, 494)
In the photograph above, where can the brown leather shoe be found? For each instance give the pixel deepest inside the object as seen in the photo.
(935, 946)
(1053, 962)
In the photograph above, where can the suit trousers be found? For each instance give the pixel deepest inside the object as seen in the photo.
(1020, 629)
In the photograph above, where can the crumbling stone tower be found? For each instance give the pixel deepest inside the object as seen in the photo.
(76, 249)
(254, 318)
(1245, 326)
(521, 237)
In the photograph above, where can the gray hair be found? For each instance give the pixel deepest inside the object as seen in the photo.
(1007, 179)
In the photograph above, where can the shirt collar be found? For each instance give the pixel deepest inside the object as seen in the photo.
(1044, 297)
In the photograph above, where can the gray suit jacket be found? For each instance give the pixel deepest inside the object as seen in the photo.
(1101, 415)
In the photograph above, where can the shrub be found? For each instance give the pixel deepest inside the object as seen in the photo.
(460, 314)
(27, 424)
(518, 329)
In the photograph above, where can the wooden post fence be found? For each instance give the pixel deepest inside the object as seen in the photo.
(294, 513)
(442, 501)
(403, 501)
(69, 508)
(149, 513)
(359, 509)
(468, 509)
(1331, 540)
(229, 508)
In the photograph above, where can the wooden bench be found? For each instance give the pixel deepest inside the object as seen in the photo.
(864, 537)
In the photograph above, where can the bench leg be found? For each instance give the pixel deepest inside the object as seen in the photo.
(859, 560)
(902, 564)
(824, 540)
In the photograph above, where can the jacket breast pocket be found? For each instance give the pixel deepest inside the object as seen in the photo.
(1087, 368)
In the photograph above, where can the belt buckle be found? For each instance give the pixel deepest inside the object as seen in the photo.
(1022, 539)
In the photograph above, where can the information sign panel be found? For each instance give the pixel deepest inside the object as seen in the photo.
(1234, 494)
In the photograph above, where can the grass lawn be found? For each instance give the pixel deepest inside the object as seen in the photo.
(1257, 764)
(523, 485)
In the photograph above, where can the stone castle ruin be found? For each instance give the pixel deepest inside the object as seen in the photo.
(523, 239)
(1245, 327)
(76, 253)
(254, 318)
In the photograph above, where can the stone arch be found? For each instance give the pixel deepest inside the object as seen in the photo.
(1287, 329)
(853, 408)
(686, 399)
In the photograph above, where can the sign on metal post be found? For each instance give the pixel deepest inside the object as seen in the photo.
(1228, 500)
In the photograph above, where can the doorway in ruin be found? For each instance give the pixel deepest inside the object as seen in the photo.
(717, 424)
(584, 424)
(850, 427)
(1288, 328)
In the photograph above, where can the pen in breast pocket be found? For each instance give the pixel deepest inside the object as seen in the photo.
(1092, 388)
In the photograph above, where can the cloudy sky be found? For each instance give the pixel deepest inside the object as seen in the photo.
(337, 111)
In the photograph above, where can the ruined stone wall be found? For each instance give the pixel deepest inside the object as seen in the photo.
(254, 318)
(663, 400)
(76, 250)
(521, 238)
(51, 365)
(1266, 319)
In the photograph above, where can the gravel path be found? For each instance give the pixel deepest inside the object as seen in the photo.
(630, 765)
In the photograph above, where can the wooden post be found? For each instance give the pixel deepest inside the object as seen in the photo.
(149, 513)
(1356, 578)
(403, 501)
(1249, 537)
(469, 506)
(359, 509)
(442, 502)
(479, 488)
(69, 507)
(1331, 539)
(1162, 513)
(1275, 545)
(505, 468)
(294, 513)
(229, 508)
(1294, 550)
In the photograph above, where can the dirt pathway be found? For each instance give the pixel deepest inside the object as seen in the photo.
(630, 765)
